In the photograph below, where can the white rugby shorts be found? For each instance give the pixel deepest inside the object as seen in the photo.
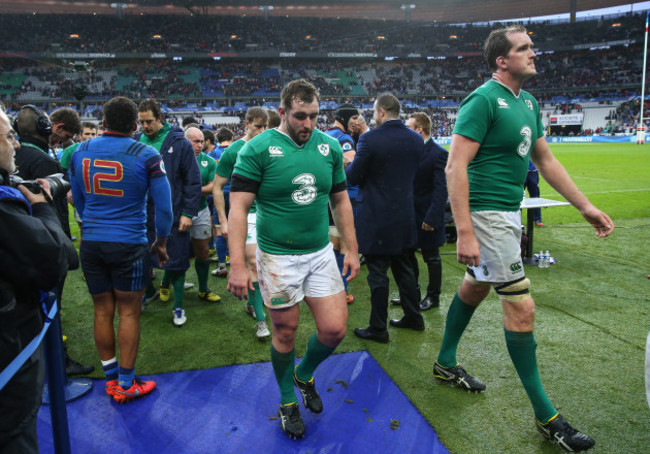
(499, 236)
(285, 280)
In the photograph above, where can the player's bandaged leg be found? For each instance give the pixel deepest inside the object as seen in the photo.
(316, 353)
(521, 347)
(458, 317)
(283, 364)
(514, 291)
(255, 299)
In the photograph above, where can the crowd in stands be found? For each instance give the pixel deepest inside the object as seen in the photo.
(625, 117)
(566, 76)
(580, 73)
(208, 33)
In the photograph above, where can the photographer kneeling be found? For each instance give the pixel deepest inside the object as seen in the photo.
(34, 256)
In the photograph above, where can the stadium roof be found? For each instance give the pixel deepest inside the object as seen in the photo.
(454, 11)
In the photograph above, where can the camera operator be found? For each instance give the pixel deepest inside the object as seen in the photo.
(37, 132)
(34, 255)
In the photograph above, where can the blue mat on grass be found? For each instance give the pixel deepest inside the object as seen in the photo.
(234, 409)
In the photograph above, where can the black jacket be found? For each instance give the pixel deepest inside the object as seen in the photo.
(33, 161)
(35, 255)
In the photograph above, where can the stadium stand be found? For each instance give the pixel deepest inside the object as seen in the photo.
(223, 65)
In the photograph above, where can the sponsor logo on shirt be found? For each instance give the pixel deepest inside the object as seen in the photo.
(275, 151)
(502, 103)
(171, 150)
(324, 149)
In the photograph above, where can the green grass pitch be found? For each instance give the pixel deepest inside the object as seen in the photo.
(592, 319)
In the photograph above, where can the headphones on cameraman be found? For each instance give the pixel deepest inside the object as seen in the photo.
(42, 123)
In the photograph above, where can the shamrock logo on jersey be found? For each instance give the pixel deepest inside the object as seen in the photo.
(324, 149)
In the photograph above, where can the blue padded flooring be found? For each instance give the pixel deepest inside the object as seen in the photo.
(233, 409)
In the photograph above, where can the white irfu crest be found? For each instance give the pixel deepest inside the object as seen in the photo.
(204, 163)
(529, 103)
(324, 149)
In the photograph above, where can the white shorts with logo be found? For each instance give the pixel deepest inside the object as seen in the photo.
(499, 236)
(201, 228)
(251, 236)
(285, 280)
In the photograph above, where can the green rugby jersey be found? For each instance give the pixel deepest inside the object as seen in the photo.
(227, 161)
(507, 127)
(207, 166)
(295, 184)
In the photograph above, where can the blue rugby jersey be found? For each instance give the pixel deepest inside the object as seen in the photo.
(347, 144)
(110, 177)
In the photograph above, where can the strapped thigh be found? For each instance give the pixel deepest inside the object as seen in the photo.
(513, 291)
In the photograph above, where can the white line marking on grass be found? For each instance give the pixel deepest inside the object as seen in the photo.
(619, 190)
(591, 178)
(557, 196)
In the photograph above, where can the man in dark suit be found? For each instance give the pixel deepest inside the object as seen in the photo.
(430, 195)
(384, 169)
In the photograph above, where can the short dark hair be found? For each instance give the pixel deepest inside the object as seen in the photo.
(191, 125)
(256, 112)
(224, 135)
(188, 121)
(298, 90)
(422, 120)
(389, 103)
(69, 117)
(153, 106)
(498, 44)
(88, 125)
(208, 136)
(274, 118)
(120, 114)
(26, 121)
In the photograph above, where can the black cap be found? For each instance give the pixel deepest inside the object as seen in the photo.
(344, 113)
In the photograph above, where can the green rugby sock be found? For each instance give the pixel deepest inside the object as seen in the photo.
(458, 317)
(202, 268)
(316, 353)
(165, 279)
(521, 347)
(255, 299)
(283, 364)
(177, 280)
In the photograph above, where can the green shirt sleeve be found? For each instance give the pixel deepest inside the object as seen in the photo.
(474, 118)
(249, 163)
(66, 156)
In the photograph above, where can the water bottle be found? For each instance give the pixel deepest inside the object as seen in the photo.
(547, 259)
(540, 259)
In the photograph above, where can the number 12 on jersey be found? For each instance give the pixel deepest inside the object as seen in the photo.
(113, 173)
